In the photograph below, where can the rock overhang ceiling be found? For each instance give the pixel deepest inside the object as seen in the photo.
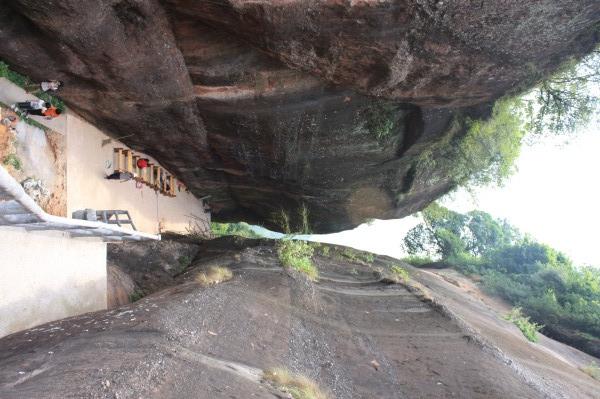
(272, 105)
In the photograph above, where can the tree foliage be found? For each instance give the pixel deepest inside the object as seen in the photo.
(566, 100)
(531, 275)
(487, 153)
(233, 229)
(478, 153)
(446, 233)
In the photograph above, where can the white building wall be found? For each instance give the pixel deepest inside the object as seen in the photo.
(88, 162)
(46, 276)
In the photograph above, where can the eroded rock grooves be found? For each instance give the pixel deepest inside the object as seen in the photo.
(267, 105)
(187, 341)
(354, 333)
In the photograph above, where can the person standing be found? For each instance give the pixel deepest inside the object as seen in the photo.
(31, 105)
(122, 176)
(51, 113)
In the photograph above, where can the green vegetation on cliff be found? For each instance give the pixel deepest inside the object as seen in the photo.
(542, 281)
(296, 385)
(482, 152)
(566, 100)
(13, 160)
(478, 152)
(293, 253)
(522, 322)
(297, 254)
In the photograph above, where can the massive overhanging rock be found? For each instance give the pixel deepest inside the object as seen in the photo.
(268, 105)
(427, 52)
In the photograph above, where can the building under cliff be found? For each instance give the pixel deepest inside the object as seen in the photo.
(52, 264)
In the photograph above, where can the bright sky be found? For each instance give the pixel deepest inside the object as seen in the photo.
(554, 196)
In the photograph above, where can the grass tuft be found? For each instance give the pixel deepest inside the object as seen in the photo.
(357, 256)
(297, 254)
(136, 295)
(528, 328)
(298, 386)
(184, 262)
(214, 275)
(282, 219)
(13, 160)
(592, 370)
(400, 274)
(304, 223)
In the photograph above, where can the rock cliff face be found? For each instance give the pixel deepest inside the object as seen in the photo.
(268, 105)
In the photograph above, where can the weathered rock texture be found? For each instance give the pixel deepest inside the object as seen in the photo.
(152, 264)
(357, 336)
(120, 287)
(266, 105)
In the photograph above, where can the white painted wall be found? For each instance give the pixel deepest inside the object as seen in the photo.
(46, 276)
(87, 187)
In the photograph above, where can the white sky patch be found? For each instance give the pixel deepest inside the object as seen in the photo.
(554, 196)
(383, 237)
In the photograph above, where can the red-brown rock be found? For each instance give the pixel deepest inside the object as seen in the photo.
(268, 105)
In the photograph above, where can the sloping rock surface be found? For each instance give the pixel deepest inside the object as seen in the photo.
(352, 333)
(153, 264)
(268, 105)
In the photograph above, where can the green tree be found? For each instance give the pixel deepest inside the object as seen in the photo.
(567, 100)
(439, 233)
(525, 257)
(528, 274)
(446, 233)
(477, 152)
(488, 151)
(480, 152)
(487, 233)
(233, 229)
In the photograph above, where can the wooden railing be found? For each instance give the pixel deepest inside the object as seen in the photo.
(154, 175)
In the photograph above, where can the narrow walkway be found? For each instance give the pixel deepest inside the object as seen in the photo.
(17, 209)
(10, 93)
